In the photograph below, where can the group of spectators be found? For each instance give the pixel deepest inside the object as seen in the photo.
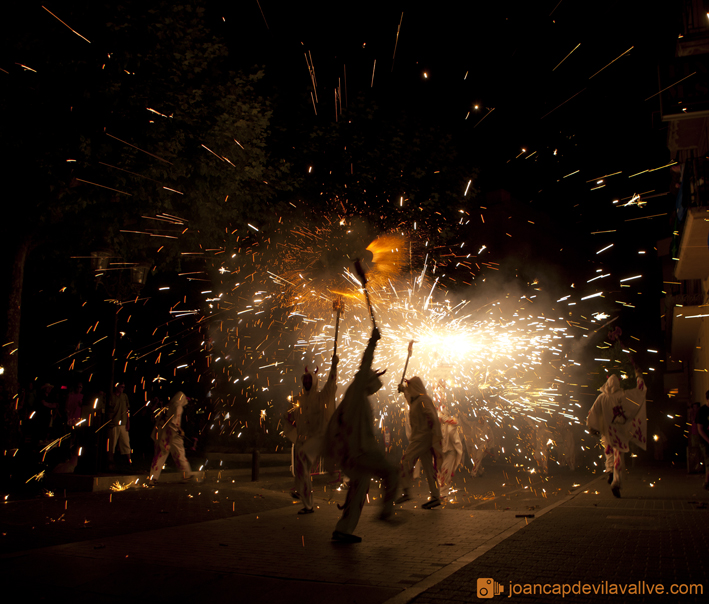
(40, 415)
(60, 427)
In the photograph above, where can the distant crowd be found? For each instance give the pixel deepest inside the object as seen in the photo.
(69, 428)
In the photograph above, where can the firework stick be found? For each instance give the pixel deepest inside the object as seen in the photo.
(606, 324)
(408, 356)
(360, 273)
(337, 305)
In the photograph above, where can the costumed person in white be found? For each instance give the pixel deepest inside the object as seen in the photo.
(351, 446)
(119, 413)
(568, 445)
(540, 440)
(425, 443)
(451, 445)
(478, 437)
(168, 436)
(620, 417)
(310, 414)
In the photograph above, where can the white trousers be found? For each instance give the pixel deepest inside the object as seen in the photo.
(171, 442)
(119, 436)
(303, 483)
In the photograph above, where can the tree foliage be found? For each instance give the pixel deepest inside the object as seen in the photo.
(145, 120)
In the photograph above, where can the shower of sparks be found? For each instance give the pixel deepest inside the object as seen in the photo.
(502, 362)
(266, 308)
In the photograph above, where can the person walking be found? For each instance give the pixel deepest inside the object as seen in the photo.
(425, 442)
(620, 417)
(119, 416)
(451, 444)
(169, 440)
(311, 412)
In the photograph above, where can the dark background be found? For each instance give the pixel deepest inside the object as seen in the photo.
(417, 122)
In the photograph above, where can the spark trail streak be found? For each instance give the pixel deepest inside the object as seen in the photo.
(65, 25)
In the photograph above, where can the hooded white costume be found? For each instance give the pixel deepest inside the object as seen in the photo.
(169, 439)
(479, 440)
(540, 441)
(568, 446)
(311, 413)
(620, 417)
(426, 440)
(350, 445)
(119, 412)
(452, 446)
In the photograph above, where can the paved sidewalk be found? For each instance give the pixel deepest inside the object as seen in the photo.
(267, 553)
(658, 532)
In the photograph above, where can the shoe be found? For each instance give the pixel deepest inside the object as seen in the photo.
(294, 494)
(306, 511)
(150, 482)
(403, 499)
(433, 503)
(616, 492)
(345, 537)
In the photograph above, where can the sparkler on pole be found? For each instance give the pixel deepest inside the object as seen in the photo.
(362, 277)
(338, 305)
(408, 356)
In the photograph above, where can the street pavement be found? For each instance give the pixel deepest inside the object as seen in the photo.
(228, 539)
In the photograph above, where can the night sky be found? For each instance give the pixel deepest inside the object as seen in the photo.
(545, 77)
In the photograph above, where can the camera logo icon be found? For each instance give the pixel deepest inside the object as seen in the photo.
(488, 588)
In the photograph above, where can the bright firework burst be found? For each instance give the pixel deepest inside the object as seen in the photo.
(502, 360)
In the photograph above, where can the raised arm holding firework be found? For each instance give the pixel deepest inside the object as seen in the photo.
(406, 365)
(363, 279)
(311, 411)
